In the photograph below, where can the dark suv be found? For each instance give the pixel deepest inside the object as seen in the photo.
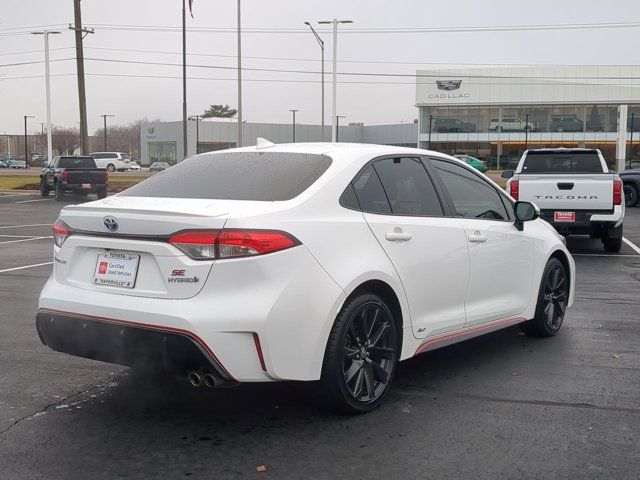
(453, 125)
(566, 124)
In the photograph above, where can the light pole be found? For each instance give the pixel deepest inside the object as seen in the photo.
(293, 125)
(47, 76)
(334, 22)
(26, 146)
(338, 117)
(321, 43)
(239, 142)
(104, 117)
(526, 130)
(197, 119)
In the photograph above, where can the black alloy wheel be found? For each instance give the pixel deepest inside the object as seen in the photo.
(630, 195)
(361, 355)
(552, 302)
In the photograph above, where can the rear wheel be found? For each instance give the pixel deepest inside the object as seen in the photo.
(630, 195)
(59, 192)
(44, 189)
(102, 192)
(613, 245)
(361, 356)
(552, 302)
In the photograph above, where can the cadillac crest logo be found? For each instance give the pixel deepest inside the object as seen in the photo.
(448, 85)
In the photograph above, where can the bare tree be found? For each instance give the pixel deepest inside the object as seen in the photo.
(125, 138)
(65, 140)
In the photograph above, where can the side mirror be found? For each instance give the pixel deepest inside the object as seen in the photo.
(525, 212)
(507, 174)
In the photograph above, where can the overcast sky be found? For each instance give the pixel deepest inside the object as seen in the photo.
(130, 96)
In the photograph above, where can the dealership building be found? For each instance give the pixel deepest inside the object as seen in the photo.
(496, 113)
(162, 142)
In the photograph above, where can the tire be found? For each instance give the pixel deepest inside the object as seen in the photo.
(111, 168)
(612, 245)
(552, 302)
(630, 195)
(59, 192)
(356, 374)
(102, 193)
(44, 189)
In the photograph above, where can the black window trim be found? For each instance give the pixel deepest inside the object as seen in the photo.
(446, 211)
(503, 196)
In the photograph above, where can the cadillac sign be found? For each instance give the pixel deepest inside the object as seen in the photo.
(448, 86)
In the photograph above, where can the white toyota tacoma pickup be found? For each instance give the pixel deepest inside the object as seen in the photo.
(575, 191)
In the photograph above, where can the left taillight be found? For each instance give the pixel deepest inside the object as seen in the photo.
(617, 192)
(60, 232)
(222, 244)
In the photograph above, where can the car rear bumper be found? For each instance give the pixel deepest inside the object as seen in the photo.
(586, 221)
(130, 344)
(265, 318)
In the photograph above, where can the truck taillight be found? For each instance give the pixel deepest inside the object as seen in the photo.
(65, 176)
(514, 189)
(106, 176)
(212, 244)
(60, 232)
(617, 192)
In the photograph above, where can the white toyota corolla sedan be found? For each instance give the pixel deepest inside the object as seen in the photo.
(316, 261)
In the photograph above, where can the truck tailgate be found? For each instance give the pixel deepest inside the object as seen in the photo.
(568, 192)
(92, 177)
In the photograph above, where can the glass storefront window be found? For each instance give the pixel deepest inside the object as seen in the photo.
(163, 152)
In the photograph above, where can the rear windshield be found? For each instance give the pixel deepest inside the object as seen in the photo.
(76, 162)
(561, 162)
(262, 176)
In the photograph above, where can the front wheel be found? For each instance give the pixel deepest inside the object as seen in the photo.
(553, 297)
(361, 355)
(111, 168)
(630, 195)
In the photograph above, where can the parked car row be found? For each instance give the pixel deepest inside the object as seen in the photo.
(558, 123)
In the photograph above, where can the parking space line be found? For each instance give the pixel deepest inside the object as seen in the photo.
(25, 240)
(31, 225)
(19, 236)
(26, 266)
(37, 200)
(632, 245)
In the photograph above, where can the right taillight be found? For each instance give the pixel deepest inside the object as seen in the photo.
(514, 189)
(65, 176)
(212, 244)
(106, 176)
(60, 232)
(617, 192)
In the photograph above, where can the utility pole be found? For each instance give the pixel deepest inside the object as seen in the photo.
(239, 142)
(184, 80)
(104, 117)
(334, 22)
(82, 97)
(197, 119)
(321, 43)
(26, 146)
(294, 124)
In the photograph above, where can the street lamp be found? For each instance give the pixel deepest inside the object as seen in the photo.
(197, 119)
(26, 146)
(334, 22)
(338, 117)
(104, 117)
(47, 76)
(321, 43)
(293, 125)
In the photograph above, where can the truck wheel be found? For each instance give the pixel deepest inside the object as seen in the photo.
(552, 302)
(613, 245)
(44, 189)
(630, 195)
(111, 167)
(59, 192)
(102, 192)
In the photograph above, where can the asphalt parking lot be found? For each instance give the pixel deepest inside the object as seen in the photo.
(499, 406)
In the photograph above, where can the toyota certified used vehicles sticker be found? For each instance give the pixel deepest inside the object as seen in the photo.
(116, 269)
(564, 216)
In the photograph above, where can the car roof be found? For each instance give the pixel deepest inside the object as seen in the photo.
(562, 150)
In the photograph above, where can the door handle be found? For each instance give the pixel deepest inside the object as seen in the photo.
(477, 237)
(397, 235)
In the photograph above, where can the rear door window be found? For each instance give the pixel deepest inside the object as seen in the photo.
(408, 187)
(259, 176)
(370, 193)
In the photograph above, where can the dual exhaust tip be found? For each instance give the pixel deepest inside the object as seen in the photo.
(198, 379)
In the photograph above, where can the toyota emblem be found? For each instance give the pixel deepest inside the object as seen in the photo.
(111, 223)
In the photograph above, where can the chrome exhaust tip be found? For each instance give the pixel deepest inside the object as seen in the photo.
(210, 381)
(194, 379)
